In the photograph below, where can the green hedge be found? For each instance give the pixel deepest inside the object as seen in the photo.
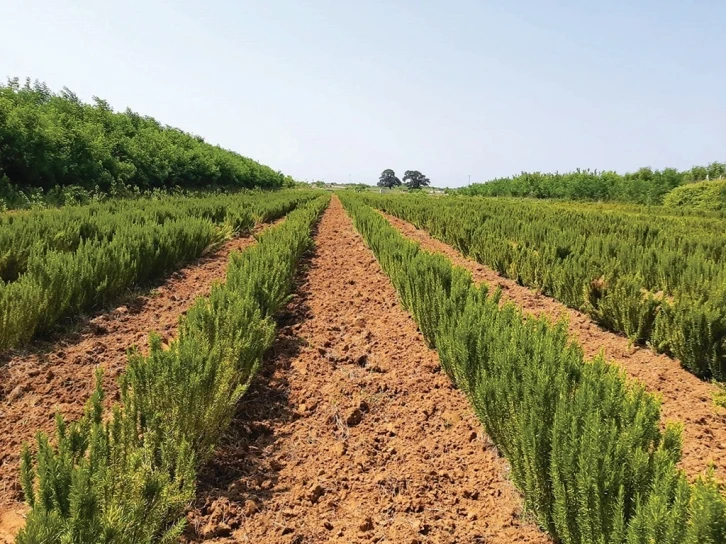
(659, 278)
(584, 443)
(128, 477)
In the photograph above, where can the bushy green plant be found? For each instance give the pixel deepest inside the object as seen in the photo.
(645, 186)
(706, 195)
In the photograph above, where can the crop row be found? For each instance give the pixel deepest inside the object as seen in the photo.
(58, 263)
(129, 476)
(584, 443)
(657, 277)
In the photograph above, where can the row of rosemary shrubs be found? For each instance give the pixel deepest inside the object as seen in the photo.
(583, 442)
(59, 263)
(655, 275)
(128, 476)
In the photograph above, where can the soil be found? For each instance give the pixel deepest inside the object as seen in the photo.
(57, 375)
(685, 397)
(351, 433)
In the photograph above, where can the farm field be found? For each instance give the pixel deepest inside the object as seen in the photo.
(403, 393)
(656, 275)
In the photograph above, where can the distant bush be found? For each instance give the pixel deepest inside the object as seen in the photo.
(706, 195)
(50, 140)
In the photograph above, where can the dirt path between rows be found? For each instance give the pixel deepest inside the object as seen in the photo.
(352, 433)
(685, 397)
(58, 375)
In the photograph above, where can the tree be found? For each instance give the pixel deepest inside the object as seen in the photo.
(388, 179)
(415, 179)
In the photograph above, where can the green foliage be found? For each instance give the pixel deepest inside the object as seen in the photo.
(58, 263)
(706, 195)
(584, 444)
(388, 179)
(646, 186)
(657, 275)
(413, 179)
(49, 140)
(129, 477)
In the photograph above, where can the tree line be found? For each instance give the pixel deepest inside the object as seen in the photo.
(50, 140)
(644, 186)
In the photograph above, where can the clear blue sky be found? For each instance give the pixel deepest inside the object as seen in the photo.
(328, 89)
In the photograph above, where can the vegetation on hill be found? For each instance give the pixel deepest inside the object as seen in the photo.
(53, 140)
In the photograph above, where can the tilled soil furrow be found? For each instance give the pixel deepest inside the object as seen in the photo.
(352, 433)
(685, 397)
(58, 376)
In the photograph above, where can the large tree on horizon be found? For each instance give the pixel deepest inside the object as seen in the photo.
(388, 179)
(415, 179)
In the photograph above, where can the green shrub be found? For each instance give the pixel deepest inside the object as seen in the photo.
(644, 186)
(705, 195)
(50, 141)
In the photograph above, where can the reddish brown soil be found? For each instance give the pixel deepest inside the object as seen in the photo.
(57, 375)
(685, 397)
(352, 433)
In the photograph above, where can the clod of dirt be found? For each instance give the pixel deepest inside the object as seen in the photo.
(339, 449)
(250, 507)
(315, 492)
(451, 418)
(16, 393)
(367, 525)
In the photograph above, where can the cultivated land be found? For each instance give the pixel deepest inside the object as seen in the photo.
(58, 375)
(353, 432)
(685, 398)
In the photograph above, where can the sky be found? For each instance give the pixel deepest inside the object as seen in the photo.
(340, 90)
